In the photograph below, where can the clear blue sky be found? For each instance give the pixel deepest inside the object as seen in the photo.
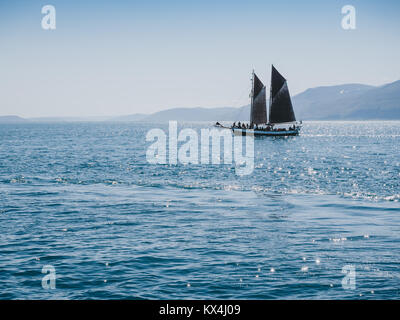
(124, 57)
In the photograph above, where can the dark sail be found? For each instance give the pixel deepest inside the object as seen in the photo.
(280, 108)
(258, 112)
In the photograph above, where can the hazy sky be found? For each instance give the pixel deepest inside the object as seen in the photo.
(124, 57)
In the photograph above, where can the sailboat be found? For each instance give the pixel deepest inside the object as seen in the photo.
(281, 111)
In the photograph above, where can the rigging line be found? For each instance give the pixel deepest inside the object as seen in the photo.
(244, 96)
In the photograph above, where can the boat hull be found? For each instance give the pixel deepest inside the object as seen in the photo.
(273, 133)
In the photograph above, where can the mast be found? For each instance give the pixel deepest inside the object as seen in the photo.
(270, 100)
(252, 96)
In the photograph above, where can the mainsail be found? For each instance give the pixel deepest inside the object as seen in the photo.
(258, 114)
(280, 107)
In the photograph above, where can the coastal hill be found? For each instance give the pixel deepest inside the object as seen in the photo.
(349, 102)
(194, 114)
(11, 119)
(341, 102)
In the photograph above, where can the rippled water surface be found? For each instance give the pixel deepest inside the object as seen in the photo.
(82, 198)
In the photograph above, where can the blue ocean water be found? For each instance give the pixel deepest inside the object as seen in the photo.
(82, 198)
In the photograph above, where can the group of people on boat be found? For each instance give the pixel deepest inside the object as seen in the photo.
(266, 127)
(249, 126)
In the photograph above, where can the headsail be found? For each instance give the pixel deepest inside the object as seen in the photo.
(280, 107)
(258, 114)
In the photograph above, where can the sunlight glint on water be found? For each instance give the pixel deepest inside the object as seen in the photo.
(82, 198)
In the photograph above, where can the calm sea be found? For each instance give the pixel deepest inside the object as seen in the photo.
(81, 197)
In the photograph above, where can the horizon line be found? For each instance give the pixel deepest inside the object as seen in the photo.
(170, 108)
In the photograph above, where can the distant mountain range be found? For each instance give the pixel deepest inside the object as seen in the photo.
(349, 102)
(342, 102)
